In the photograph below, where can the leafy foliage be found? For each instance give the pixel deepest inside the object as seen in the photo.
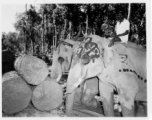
(37, 27)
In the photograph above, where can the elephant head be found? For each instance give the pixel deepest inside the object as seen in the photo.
(62, 58)
(89, 60)
(92, 58)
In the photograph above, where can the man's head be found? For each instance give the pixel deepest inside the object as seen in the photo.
(120, 16)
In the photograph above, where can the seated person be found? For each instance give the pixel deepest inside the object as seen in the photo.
(121, 30)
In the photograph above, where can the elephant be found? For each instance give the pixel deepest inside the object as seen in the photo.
(121, 67)
(61, 63)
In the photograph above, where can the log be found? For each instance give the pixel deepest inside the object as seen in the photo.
(16, 93)
(31, 69)
(48, 95)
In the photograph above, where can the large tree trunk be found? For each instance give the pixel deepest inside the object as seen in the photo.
(129, 9)
(69, 34)
(42, 32)
(32, 47)
(86, 25)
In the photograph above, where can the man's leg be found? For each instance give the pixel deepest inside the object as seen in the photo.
(115, 39)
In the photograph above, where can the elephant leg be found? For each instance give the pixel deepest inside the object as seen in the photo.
(145, 108)
(106, 92)
(88, 99)
(127, 90)
(128, 112)
(127, 104)
(69, 103)
(140, 105)
(89, 91)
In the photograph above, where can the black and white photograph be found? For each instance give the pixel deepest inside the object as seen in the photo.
(74, 59)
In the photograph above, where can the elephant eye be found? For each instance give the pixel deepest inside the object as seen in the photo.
(60, 60)
(102, 53)
(66, 50)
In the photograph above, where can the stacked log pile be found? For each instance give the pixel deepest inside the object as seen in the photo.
(30, 83)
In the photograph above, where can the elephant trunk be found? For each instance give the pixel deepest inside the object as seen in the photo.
(69, 103)
(73, 81)
(74, 78)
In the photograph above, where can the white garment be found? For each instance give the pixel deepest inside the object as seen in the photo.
(120, 28)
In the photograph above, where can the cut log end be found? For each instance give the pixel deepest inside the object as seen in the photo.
(32, 69)
(16, 94)
(47, 96)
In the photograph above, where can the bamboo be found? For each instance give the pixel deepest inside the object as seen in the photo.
(142, 19)
(86, 25)
(25, 30)
(65, 24)
(53, 42)
(69, 34)
(55, 36)
(42, 31)
(45, 31)
(129, 9)
(32, 46)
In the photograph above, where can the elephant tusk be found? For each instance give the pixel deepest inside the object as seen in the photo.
(75, 85)
(78, 83)
(70, 91)
(58, 78)
(64, 85)
(66, 73)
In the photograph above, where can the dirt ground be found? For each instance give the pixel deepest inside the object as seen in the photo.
(31, 111)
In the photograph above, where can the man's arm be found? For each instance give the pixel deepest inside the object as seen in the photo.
(123, 34)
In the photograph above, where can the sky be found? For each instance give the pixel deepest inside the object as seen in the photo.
(9, 12)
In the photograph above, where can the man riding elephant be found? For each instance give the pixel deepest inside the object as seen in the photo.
(121, 31)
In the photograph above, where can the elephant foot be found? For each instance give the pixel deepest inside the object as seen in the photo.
(70, 114)
(90, 102)
(108, 108)
(128, 112)
(140, 108)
